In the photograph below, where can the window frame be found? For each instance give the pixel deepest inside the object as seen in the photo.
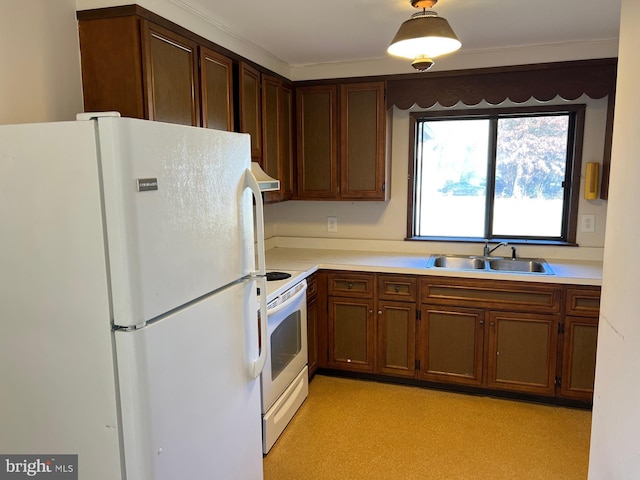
(576, 113)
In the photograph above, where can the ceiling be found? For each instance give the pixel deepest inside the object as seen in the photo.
(330, 31)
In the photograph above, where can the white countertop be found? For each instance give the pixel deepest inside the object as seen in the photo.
(309, 260)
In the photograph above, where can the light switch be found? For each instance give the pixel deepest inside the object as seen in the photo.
(332, 224)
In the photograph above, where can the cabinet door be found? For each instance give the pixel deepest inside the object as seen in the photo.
(272, 125)
(286, 143)
(451, 345)
(317, 146)
(579, 358)
(351, 334)
(250, 109)
(171, 76)
(396, 338)
(112, 66)
(216, 80)
(362, 141)
(522, 352)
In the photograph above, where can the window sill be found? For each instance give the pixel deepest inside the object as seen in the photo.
(511, 241)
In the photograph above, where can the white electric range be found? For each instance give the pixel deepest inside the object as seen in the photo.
(284, 381)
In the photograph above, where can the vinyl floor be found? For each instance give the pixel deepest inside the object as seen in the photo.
(356, 429)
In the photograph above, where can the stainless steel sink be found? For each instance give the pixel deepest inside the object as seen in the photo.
(525, 265)
(490, 264)
(458, 262)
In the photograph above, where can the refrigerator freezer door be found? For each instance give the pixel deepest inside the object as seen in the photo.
(190, 404)
(179, 218)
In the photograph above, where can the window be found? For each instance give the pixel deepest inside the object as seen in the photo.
(496, 174)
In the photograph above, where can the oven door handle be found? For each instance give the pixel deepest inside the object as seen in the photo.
(288, 301)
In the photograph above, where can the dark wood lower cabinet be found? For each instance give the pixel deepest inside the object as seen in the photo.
(579, 357)
(451, 345)
(312, 336)
(351, 334)
(396, 338)
(470, 334)
(522, 352)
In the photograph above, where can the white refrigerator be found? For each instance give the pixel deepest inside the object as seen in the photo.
(128, 299)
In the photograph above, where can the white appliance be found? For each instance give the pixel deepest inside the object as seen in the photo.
(285, 378)
(128, 292)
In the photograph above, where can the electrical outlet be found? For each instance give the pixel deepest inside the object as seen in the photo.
(588, 223)
(332, 224)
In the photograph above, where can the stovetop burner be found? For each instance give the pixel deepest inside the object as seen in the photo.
(274, 276)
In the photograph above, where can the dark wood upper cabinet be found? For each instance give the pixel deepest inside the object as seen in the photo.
(271, 125)
(277, 117)
(342, 142)
(362, 141)
(145, 69)
(317, 142)
(287, 154)
(171, 76)
(112, 74)
(139, 69)
(250, 109)
(216, 81)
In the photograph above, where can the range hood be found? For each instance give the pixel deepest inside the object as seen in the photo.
(266, 183)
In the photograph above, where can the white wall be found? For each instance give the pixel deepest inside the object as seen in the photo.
(387, 220)
(40, 76)
(615, 443)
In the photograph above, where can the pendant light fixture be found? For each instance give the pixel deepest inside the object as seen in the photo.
(423, 37)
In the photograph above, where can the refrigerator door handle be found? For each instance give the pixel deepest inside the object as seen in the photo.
(251, 183)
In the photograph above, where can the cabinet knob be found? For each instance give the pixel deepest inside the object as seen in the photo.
(370, 311)
(397, 289)
(379, 312)
(350, 286)
(493, 324)
(481, 322)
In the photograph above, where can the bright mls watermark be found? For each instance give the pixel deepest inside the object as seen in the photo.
(49, 467)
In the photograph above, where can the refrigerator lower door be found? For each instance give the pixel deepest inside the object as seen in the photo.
(190, 404)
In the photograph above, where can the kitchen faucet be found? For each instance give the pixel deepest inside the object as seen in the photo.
(488, 251)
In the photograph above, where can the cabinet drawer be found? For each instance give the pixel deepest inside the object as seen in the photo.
(583, 301)
(312, 286)
(495, 294)
(397, 287)
(351, 284)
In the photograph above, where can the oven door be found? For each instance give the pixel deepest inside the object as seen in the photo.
(287, 351)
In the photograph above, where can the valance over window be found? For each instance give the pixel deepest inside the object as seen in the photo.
(569, 80)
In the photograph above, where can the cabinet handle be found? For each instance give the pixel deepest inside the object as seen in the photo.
(350, 286)
(481, 322)
(370, 311)
(379, 312)
(493, 324)
(397, 289)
